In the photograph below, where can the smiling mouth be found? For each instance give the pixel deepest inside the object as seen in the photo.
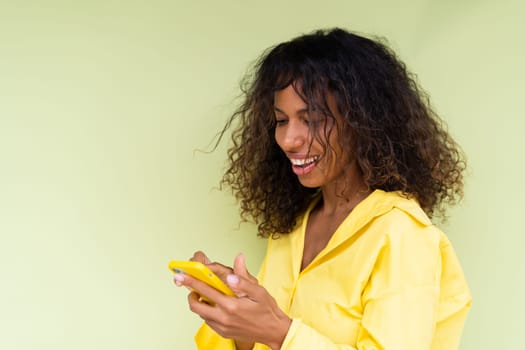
(305, 162)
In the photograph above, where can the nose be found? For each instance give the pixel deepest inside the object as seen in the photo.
(292, 137)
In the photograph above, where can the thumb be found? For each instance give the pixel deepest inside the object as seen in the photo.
(239, 268)
(241, 279)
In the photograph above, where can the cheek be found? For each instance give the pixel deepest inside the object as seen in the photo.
(338, 156)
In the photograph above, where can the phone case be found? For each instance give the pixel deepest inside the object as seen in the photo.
(201, 272)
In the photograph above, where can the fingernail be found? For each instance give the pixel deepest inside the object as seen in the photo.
(179, 278)
(232, 280)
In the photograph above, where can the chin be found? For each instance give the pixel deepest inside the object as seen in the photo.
(310, 183)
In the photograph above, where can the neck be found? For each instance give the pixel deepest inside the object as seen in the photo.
(341, 198)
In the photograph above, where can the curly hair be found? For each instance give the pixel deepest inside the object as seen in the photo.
(399, 142)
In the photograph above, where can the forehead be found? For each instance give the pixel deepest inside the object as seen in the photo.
(292, 97)
(289, 98)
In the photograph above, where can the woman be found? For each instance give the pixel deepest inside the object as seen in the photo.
(340, 160)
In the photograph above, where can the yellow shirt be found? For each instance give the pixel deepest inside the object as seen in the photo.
(387, 279)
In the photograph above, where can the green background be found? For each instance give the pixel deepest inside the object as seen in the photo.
(103, 104)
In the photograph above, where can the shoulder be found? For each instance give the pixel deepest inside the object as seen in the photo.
(400, 224)
(405, 237)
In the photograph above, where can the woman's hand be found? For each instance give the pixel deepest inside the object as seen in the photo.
(222, 271)
(251, 317)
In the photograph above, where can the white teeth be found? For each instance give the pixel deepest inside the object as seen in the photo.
(304, 161)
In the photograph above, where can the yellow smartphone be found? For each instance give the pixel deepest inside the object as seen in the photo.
(200, 272)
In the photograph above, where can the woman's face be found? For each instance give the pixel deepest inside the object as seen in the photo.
(294, 133)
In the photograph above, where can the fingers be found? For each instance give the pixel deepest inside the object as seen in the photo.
(238, 278)
(246, 288)
(198, 306)
(200, 257)
(211, 312)
(219, 269)
(239, 268)
(193, 297)
(205, 291)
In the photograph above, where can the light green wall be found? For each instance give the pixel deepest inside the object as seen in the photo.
(103, 103)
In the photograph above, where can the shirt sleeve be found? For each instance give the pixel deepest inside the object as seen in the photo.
(207, 339)
(302, 336)
(401, 298)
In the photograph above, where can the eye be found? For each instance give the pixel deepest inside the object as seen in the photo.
(315, 120)
(280, 121)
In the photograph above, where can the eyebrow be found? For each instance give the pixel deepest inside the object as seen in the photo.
(300, 111)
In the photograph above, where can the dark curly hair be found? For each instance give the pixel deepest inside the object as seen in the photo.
(399, 142)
